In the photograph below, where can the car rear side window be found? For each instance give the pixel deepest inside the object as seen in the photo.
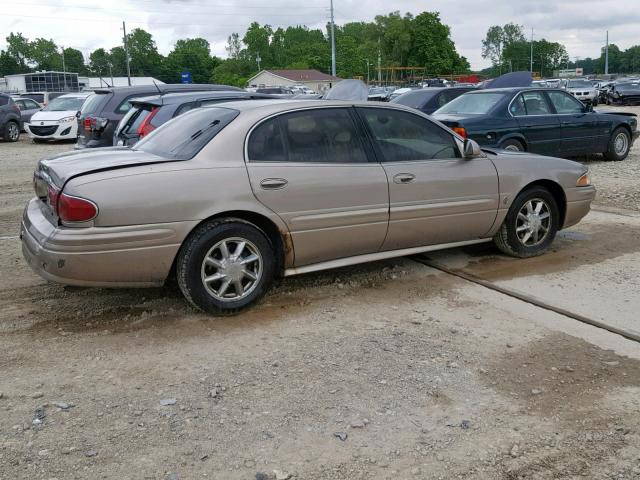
(4, 100)
(402, 136)
(310, 136)
(94, 103)
(185, 108)
(535, 103)
(184, 136)
(565, 103)
(517, 107)
(266, 143)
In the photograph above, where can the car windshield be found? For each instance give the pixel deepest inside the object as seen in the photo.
(184, 136)
(579, 84)
(414, 99)
(62, 104)
(472, 104)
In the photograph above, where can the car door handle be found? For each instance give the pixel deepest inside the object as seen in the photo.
(404, 178)
(273, 183)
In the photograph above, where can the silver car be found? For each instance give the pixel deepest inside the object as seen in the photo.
(229, 197)
(583, 90)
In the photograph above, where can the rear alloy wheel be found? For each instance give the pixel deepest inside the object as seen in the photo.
(225, 265)
(531, 224)
(11, 132)
(512, 146)
(619, 145)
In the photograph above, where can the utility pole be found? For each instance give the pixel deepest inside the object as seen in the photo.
(367, 71)
(126, 52)
(606, 56)
(111, 73)
(531, 64)
(258, 59)
(64, 70)
(379, 65)
(333, 43)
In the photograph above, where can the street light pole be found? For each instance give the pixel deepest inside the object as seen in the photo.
(126, 52)
(258, 60)
(333, 43)
(606, 56)
(531, 64)
(367, 71)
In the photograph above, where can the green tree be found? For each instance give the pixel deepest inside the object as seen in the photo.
(44, 54)
(8, 64)
(433, 48)
(74, 61)
(257, 40)
(232, 71)
(143, 53)
(194, 55)
(19, 48)
(234, 45)
(498, 39)
(99, 62)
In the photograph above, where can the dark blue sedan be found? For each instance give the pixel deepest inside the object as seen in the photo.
(545, 121)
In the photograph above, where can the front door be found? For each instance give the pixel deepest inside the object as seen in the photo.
(311, 168)
(579, 127)
(435, 195)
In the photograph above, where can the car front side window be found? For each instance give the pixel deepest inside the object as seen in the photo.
(403, 136)
(565, 103)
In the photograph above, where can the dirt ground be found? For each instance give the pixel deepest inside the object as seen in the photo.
(390, 370)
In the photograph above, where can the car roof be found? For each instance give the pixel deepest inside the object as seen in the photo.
(179, 97)
(163, 87)
(513, 90)
(75, 95)
(270, 106)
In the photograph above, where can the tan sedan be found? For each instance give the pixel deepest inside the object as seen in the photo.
(228, 197)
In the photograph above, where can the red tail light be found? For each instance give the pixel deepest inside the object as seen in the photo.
(52, 196)
(76, 209)
(87, 123)
(460, 131)
(145, 127)
(15, 108)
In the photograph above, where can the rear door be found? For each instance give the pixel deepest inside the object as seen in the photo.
(435, 196)
(538, 122)
(313, 169)
(579, 127)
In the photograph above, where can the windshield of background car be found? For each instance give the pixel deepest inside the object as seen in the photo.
(472, 104)
(62, 104)
(579, 84)
(38, 97)
(184, 136)
(94, 103)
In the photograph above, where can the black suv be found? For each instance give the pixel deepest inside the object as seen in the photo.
(148, 113)
(102, 111)
(10, 119)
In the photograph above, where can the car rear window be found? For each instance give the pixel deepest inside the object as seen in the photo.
(414, 99)
(134, 118)
(4, 100)
(38, 97)
(94, 103)
(472, 104)
(184, 136)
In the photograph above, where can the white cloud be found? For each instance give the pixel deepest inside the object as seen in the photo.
(578, 24)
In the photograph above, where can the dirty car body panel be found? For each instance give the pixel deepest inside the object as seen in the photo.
(362, 199)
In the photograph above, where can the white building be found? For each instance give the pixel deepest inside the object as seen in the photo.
(314, 79)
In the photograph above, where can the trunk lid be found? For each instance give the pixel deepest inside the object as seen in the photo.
(61, 168)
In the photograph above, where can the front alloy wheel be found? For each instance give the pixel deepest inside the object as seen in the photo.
(12, 132)
(530, 225)
(533, 222)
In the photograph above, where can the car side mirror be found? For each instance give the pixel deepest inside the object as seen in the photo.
(78, 114)
(471, 149)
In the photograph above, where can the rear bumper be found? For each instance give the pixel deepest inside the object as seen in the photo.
(578, 204)
(130, 256)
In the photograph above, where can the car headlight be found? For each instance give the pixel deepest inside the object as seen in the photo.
(584, 180)
(66, 119)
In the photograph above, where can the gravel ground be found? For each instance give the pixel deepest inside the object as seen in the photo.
(389, 370)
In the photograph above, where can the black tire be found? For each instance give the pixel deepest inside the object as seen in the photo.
(11, 132)
(507, 239)
(594, 103)
(513, 145)
(190, 268)
(615, 152)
